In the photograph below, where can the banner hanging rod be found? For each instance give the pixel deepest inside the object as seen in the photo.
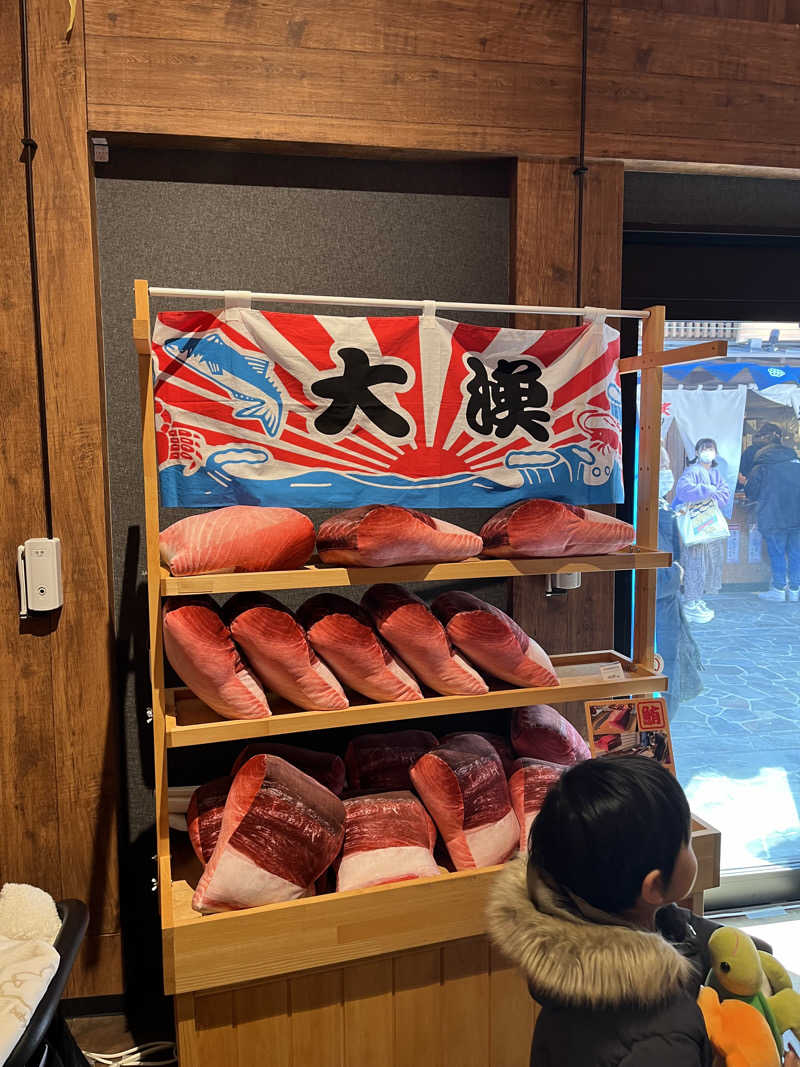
(422, 305)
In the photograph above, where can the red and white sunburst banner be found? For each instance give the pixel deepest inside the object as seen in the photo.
(322, 410)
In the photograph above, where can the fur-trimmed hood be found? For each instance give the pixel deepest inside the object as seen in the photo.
(576, 956)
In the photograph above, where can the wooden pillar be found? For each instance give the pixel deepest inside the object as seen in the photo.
(60, 826)
(544, 271)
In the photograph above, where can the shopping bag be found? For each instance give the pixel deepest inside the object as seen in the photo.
(700, 523)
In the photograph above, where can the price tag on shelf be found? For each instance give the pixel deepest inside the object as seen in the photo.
(612, 672)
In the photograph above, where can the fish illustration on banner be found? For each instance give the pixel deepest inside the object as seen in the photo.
(335, 411)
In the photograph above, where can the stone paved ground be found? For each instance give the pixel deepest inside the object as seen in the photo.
(737, 745)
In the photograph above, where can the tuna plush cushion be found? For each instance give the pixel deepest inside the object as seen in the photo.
(383, 535)
(540, 732)
(388, 837)
(550, 528)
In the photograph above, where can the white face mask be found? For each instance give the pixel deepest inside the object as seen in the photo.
(666, 480)
(707, 455)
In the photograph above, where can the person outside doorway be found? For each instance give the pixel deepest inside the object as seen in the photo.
(774, 484)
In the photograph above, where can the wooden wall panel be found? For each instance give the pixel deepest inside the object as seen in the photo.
(79, 712)
(29, 841)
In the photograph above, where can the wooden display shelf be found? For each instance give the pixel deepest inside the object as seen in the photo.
(202, 952)
(190, 722)
(318, 576)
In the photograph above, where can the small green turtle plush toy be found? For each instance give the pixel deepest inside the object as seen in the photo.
(740, 971)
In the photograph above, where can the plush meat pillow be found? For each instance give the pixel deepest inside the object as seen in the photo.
(414, 632)
(199, 646)
(501, 746)
(342, 634)
(324, 767)
(528, 785)
(280, 831)
(382, 535)
(279, 652)
(540, 732)
(494, 641)
(204, 816)
(463, 787)
(381, 762)
(238, 539)
(550, 528)
(388, 837)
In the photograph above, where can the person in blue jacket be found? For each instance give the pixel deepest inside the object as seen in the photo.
(774, 484)
(702, 480)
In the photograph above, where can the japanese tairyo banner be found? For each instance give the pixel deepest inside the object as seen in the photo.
(256, 407)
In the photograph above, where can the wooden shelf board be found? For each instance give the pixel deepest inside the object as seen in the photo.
(316, 576)
(190, 722)
(241, 946)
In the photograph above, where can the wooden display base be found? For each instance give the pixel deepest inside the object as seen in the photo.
(401, 973)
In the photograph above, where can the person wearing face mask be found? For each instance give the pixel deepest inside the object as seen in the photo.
(674, 640)
(701, 481)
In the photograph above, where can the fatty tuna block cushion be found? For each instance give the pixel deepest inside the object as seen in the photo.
(540, 732)
(204, 816)
(199, 646)
(280, 831)
(383, 535)
(238, 538)
(528, 785)
(550, 528)
(279, 652)
(493, 641)
(407, 624)
(324, 767)
(388, 837)
(463, 787)
(381, 762)
(342, 634)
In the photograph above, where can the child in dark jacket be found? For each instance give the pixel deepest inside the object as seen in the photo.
(590, 916)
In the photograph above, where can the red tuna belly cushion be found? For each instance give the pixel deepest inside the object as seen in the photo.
(324, 767)
(204, 816)
(280, 831)
(388, 837)
(528, 786)
(463, 787)
(416, 635)
(199, 646)
(540, 732)
(550, 528)
(501, 746)
(493, 641)
(342, 634)
(381, 762)
(278, 650)
(383, 535)
(238, 538)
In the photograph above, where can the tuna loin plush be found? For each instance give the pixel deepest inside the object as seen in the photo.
(382, 535)
(528, 785)
(239, 538)
(378, 762)
(388, 837)
(550, 528)
(494, 641)
(280, 831)
(204, 816)
(279, 652)
(341, 632)
(324, 767)
(541, 732)
(463, 787)
(500, 744)
(199, 646)
(414, 632)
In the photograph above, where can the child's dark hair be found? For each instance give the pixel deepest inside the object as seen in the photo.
(705, 442)
(606, 824)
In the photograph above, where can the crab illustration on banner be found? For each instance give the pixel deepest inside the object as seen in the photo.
(256, 407)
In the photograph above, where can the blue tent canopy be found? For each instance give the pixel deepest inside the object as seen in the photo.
(725, 371)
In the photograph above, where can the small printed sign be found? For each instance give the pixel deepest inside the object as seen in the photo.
(637, 727)
(734, 544)
(612, 672)
(754, 546)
